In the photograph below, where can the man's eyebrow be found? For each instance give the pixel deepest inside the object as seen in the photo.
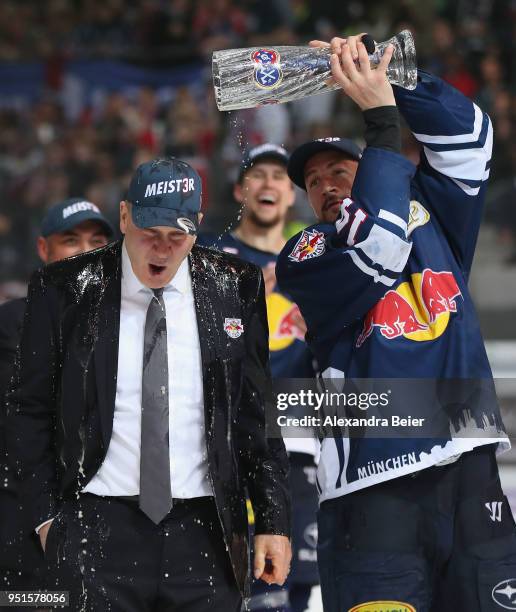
(339, 161)
(329, 165)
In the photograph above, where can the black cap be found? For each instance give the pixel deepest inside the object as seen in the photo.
(298, 159)
(166, 191)
(267, 150)
(71, 212)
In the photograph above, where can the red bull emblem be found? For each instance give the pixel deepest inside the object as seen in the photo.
(439, 290)
(283, 316)
(287, 327)
(419, 310)
(310, 244)
(233, 327)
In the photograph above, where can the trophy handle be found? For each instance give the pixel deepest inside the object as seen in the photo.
(402, 68)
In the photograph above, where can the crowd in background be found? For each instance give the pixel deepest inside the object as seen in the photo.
(50, 151)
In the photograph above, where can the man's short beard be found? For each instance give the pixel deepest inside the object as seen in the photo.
(261, 223)
(327, 218)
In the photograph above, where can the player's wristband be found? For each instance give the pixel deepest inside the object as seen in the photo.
(383, 128)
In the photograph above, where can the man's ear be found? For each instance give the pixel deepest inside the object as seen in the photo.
(124, 216)
(238, 193)
(42, 248)
(292, 197)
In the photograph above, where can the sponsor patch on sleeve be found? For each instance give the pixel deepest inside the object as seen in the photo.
(311, 244)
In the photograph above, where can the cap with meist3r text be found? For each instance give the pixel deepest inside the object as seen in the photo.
(166, 191)
(71, 212)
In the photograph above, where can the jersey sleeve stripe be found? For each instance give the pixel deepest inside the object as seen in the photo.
(384, 249)
(387, 215)
(457, 165)
(377, 276)
(376, 266)
(483, 140)
(458, 138)
(471, 191)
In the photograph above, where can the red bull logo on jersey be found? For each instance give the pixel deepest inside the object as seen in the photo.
(418, 310)
(282, 315)
(233, 327)
(439, 290)
(310, 244)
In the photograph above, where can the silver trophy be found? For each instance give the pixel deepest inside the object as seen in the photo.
(244, 78)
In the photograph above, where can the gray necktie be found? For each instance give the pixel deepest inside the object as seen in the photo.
(155, 491)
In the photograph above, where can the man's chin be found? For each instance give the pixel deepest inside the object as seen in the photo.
(331, 213)
(330, 216)
(265, 221)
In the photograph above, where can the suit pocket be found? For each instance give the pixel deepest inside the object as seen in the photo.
(52, 540)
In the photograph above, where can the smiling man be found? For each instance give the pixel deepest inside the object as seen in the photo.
(137, 414)
(266, 194)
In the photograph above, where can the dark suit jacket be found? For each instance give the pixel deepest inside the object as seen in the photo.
(11, 319)
(21, 550)
(60, 412)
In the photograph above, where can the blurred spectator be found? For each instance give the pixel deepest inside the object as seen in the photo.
(68, 136)
(219, 24)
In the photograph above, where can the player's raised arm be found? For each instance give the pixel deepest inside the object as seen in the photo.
(457, 139)
(337, 271)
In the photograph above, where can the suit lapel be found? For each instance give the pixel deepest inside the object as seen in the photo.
(206, 308)
(106, 346)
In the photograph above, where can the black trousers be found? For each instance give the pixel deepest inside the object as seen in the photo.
(110, 556)
(21, 556)
(443, 540)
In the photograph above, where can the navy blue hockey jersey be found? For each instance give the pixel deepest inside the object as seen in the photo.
(384, 290)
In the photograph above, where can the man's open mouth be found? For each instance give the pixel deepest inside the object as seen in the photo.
(156, 270)
(268, 200)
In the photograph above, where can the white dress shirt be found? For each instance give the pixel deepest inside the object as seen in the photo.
(119, 474)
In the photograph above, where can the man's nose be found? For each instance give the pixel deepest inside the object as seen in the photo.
(328, 186)
(85, 246)
(268, 181)
(161, 247)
